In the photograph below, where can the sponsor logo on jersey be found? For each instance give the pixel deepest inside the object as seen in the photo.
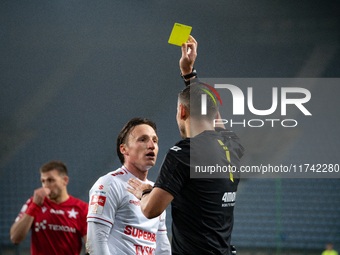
(62, 228)
(136, 203)
(175, 148)
(43, 226)
(140, 234)
(97, 204)
(101, 189)
(56, 211)
(44, 209)
(100, 200)
(229, 199)
(40, 226)
(144, 250)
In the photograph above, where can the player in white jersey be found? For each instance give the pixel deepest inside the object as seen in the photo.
(116, 224)
(112, 205)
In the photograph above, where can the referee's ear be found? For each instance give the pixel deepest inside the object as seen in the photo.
(184, 113)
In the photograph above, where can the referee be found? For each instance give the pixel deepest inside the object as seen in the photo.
(202, 208)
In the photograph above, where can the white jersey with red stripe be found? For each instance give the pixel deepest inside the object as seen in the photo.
(112, 205)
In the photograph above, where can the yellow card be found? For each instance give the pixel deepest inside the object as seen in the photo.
(180, 34)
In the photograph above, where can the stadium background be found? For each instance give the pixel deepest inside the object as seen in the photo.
(74, 72)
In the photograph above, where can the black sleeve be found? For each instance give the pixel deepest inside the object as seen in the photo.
(233, 141)
(173, 174)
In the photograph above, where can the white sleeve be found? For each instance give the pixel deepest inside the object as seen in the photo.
(97, 236)
(163, 246)
(105, 196)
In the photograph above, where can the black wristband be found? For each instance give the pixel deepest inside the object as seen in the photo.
(190, 75)
(146, 191)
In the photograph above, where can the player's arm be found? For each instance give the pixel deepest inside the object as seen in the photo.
(154, 202)
(163, 246)
(97, 236)
(20, 228)
(84, 240)
(99, 224)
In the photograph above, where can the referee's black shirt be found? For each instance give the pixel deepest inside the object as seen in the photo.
(202, 208)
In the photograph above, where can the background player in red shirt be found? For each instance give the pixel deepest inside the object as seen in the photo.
(57, 220)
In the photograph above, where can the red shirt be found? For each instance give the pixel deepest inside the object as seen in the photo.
(58, 228)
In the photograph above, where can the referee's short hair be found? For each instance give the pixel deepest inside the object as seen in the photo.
(54, 165)
(124, 133)
(191, 98)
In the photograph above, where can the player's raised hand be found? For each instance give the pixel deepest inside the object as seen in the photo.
(40, 194)
(137, 187)
(189, 54)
